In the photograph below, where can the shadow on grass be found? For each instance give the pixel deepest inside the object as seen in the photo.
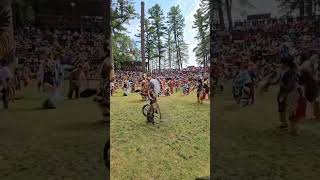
(136, 101)
(29, 98)
(231, 107)
(94, 125)
(29, 109)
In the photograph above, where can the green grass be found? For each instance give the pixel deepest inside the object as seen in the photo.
(248, 146)
(65, 143)
(177, 148)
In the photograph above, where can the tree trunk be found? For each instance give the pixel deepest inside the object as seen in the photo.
(142, 39)
(315, 7)
(179, 55)
(35, 11)
(170, 57)
(177, 46)
(148, 48)
(228, 9)
(221, 17)
(309, 8)
(169, 49)
(301, 8)
(148, 57)
(107, 69)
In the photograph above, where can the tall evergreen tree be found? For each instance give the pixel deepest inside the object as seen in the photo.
(157, 22)
(150, 44)
(184, 53)
(202, 49)
(170, 48)
(176, 24)
(221, 14)
(122, 12)
(228, 6)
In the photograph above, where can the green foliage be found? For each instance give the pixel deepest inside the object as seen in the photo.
(170, 48)
(184, 52)
(201, 23)
(158, 29)
(122, 12)
(176, 25)
(122, 50)
(150, 44)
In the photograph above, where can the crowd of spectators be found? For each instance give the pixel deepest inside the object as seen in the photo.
(34, 45)
(263, 43)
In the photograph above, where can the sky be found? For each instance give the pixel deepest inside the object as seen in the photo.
(188, 8)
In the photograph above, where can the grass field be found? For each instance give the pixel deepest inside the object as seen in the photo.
(248, 146)
(62, 144)
(175, 149)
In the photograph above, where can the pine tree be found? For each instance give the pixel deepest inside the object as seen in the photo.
(122, 12)
(176, 24)
(170, 48)
(184, 53)
(202, 49)
(157, 24)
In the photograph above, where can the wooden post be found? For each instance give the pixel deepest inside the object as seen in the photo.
(143, 57)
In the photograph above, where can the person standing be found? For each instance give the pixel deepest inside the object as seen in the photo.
(200, 91)
(289, 98)
(59, 79)
(40, 77)
(86, 69)
(171, 84)
(74, 82)
(5, 78)
(49, 84)
(252, 85)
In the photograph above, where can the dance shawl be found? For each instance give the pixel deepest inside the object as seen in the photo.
(308, 78)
